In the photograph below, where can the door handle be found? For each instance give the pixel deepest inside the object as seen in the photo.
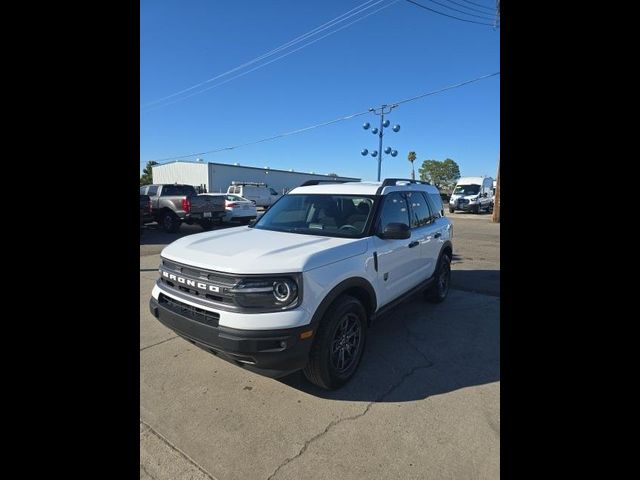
(437, 235)
(414, 244)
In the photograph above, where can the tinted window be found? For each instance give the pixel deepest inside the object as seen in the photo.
(394, 210)
(171, 190)
(153, 190)
(435, 202)
(143, 190)
(420, 214)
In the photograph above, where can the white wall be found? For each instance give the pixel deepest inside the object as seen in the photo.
(221, 176)
(183, 172)
(217, 177)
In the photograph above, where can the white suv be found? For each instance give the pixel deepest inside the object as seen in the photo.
(298, 289)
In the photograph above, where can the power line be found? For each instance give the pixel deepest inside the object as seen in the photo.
(471, 8)
(459, 11)
(275, 59)
(450, 16)
(339, 19)
(336, 120)
(478, 5)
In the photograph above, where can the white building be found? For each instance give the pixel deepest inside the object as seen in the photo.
(216, 177)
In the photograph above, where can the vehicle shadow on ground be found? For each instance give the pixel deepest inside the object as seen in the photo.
(421, 349)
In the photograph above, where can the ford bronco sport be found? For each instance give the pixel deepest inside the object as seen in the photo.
(300, 287)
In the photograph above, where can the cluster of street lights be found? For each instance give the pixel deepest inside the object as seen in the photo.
(382, 111)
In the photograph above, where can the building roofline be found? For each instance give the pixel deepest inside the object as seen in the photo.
(254, 168)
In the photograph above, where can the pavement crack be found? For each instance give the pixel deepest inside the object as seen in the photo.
(147, 472)
(163, 341)
(177, 450)
(332, 424)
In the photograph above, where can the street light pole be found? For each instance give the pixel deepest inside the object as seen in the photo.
(380, 145)
(382, 111)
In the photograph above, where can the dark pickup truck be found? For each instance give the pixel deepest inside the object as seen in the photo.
(173, 204)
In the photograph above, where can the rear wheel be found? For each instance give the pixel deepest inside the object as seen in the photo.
(170, 222)
(451, 209)
(339, 344)
(438, 292)
(206, 224)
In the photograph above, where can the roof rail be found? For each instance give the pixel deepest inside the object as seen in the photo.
(318, 182)
(392, 182)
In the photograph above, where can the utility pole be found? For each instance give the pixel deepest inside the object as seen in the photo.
(496, 203)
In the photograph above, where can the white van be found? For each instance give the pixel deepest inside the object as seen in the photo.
(472, 194)
(258, 193)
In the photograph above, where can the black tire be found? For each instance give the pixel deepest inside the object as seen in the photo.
(343, 325)
(170, 222)
(451, 210)
(206, 224)
(438, 292)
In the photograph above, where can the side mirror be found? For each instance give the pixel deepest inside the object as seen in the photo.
(395, 231)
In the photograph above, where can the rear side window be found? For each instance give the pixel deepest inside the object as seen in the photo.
(143, 190)
(153, 190)
(420, 214)
(435, 202)
(394, 210)
(171, 190)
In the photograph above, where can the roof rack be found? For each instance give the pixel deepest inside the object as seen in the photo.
(318, 182)
(392, 182)
(255, 184)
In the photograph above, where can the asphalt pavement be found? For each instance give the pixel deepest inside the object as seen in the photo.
(424, 403)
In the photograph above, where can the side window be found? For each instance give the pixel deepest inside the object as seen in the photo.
(435, 202)
(273, 192)
(153, 190)
(420, 214)
(394, 210)
(143, 190)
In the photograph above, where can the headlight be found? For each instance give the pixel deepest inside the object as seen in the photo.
(272, 293)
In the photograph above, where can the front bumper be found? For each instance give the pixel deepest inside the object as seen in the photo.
(464, 206)
(273, 353)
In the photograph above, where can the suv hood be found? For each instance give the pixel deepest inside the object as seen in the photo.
(249, 250)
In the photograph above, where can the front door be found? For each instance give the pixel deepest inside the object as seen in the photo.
(397, 259)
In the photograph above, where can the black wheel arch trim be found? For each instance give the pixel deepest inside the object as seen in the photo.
(339, 289)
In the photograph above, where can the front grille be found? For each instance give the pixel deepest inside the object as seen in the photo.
(194, 313)
(222, 299)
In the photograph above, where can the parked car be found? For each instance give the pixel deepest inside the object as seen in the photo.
(472, 194)
(299, 288)
(259, 193)
(145, 211)
(173, 204)
(238, 208)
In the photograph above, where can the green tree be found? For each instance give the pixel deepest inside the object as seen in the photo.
(147, 175)
(412, 158)
(441, 174)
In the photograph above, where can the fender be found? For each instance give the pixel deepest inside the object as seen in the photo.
(339, 289)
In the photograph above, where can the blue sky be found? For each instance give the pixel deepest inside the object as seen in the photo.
(399, 52)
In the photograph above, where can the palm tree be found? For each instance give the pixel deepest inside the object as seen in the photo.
(412, 157)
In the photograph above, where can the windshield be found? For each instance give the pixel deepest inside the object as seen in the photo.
(467, 190)
(313, 214)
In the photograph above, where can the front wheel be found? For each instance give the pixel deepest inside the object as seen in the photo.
(438, 292)
(451, 209)
(339, 344)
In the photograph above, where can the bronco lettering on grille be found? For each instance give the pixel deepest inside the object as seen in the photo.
(192, 283)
